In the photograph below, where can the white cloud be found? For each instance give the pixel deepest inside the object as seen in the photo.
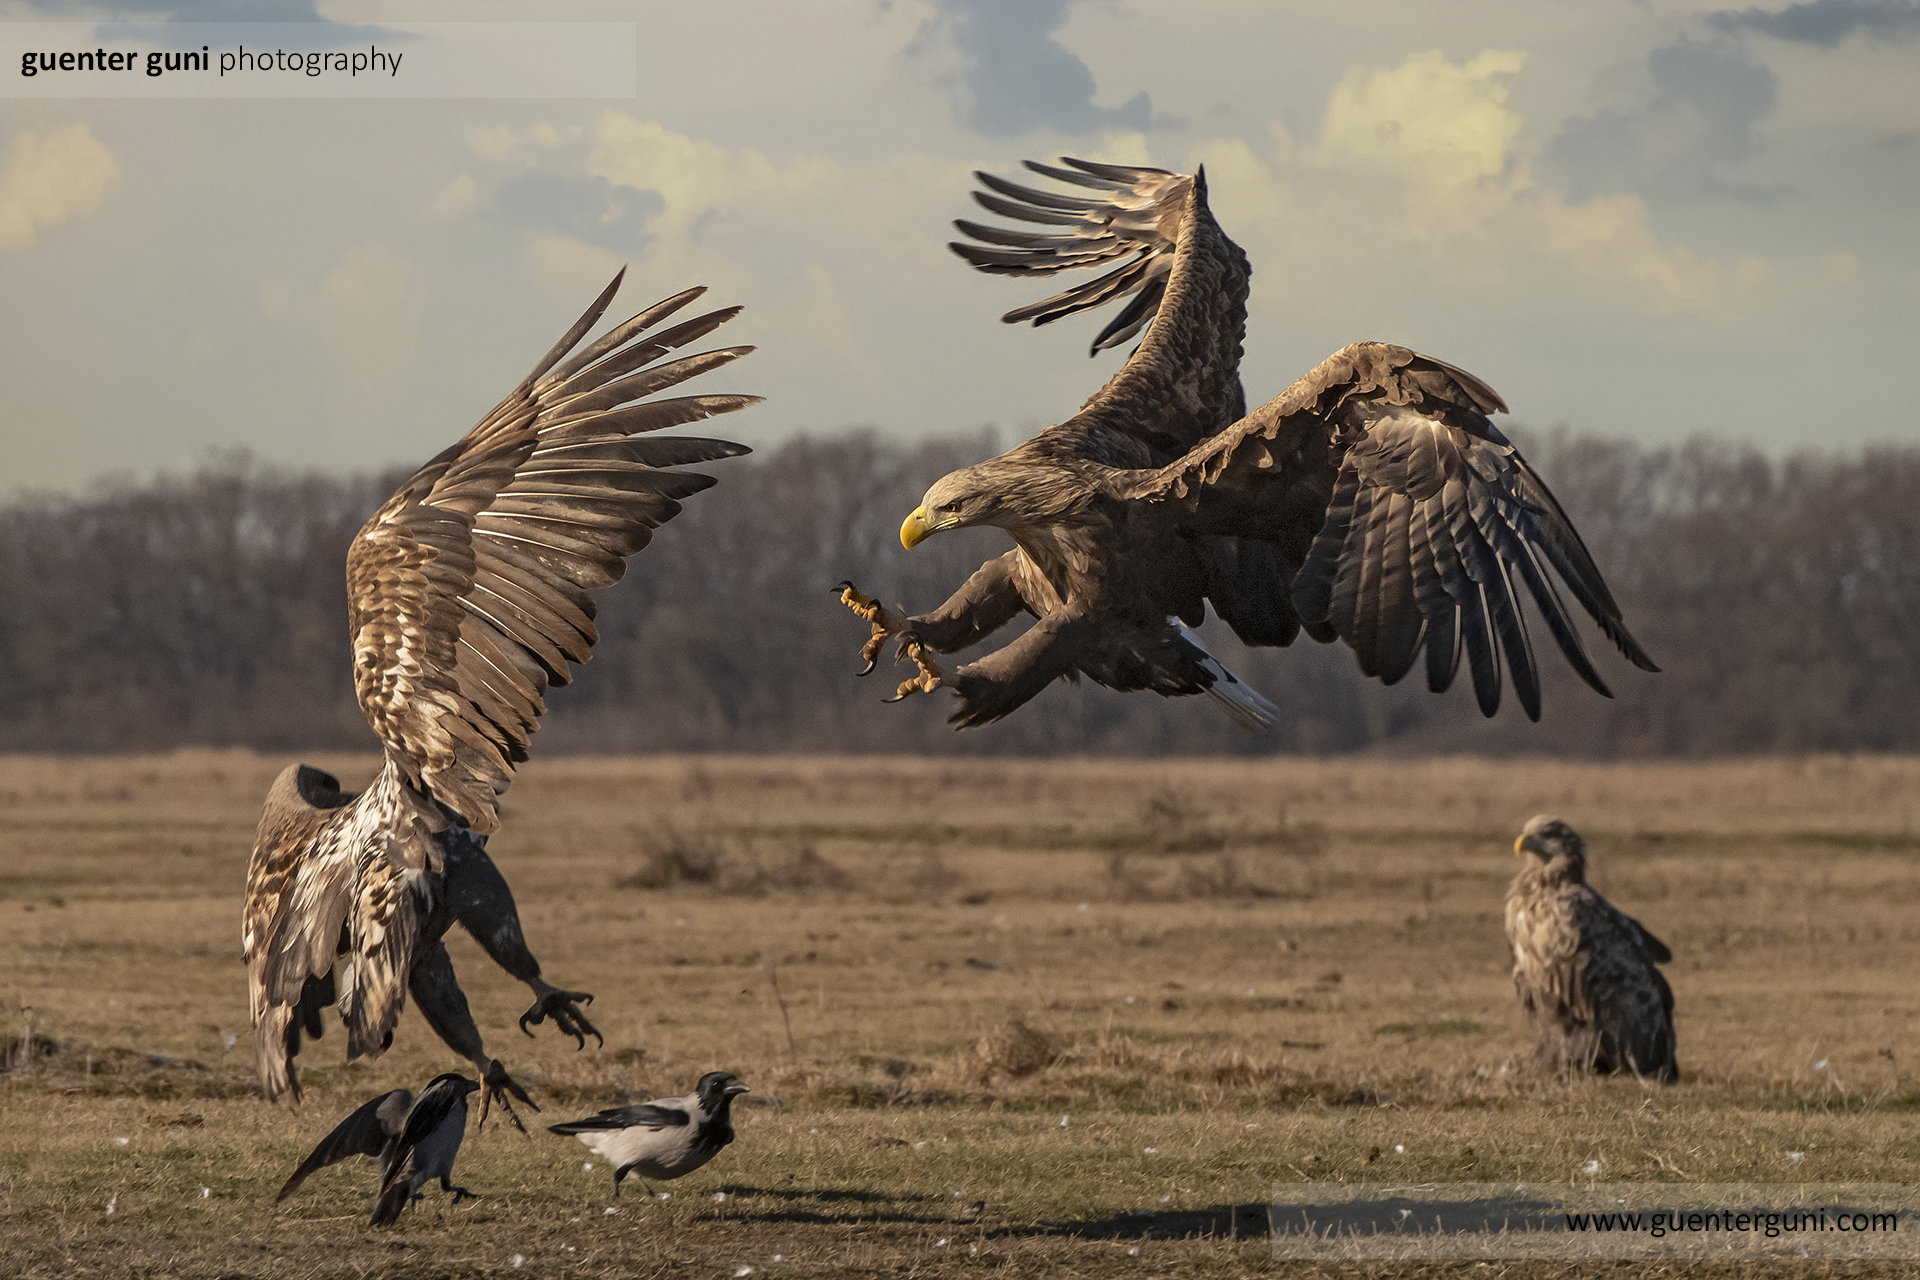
(1449, 124)
(50, 177)
(517, 149)
(368, 309)
(459, 197)
(1423, 170)
(819, 248)
(568, 271)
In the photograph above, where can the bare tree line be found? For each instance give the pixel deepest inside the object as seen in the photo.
(1781, 597)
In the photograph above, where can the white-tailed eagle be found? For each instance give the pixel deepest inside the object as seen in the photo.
(1371, 501)
(1587, 973)
(469, 593)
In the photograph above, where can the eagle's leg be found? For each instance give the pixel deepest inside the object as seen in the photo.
(1007, 678)
(987, 601)
(887, 624)
(436, 993)
(479, 898)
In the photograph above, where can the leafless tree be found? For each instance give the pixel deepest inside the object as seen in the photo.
(1782, 597)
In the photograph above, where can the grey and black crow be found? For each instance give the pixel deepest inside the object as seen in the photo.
(414, 1139)
(665, 1138)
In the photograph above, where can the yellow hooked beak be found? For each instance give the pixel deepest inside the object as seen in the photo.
(1525, 844)
(917, 528)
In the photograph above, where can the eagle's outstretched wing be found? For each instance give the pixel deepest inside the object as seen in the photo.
(1183, 275)
(1409, 520)
(470, 591)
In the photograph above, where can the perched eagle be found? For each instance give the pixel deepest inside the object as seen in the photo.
(1586, 974)
(469, 593)
(1372, 500)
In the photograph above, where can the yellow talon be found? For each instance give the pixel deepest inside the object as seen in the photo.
(929, 678)
(886, 624)
(868, 609)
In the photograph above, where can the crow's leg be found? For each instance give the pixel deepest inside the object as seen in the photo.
(437, 994)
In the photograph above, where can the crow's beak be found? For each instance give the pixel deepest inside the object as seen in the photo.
(737, 1088)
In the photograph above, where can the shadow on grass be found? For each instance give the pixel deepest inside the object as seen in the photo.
(1221, 1221)
(733, 1189)
(1245, 1221)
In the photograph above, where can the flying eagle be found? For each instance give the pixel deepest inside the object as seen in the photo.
(469, 593)
(1585, 972)
(1373, 500)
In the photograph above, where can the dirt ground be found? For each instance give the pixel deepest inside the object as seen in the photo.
(1045, 1017)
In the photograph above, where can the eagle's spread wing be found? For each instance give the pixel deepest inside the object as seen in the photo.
(1181, 384)
(367, 1132)
(471, 590)
(1412, 521)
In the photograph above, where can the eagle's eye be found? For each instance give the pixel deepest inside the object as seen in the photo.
(952, 506)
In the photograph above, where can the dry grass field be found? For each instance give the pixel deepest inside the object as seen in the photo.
(1062, 1018)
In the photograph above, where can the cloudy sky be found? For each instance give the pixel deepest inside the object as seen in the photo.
(1646, 219)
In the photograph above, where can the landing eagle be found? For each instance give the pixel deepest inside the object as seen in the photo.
(469, 592)
(1587, 973)
(1371, 501)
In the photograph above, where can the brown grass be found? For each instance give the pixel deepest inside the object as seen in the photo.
(1265, 971)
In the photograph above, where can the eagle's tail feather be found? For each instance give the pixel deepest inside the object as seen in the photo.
(1242, 703)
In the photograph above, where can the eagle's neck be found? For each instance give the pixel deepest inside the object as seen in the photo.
(1561, 869)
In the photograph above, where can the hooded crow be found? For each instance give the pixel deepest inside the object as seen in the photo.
(414, 1139)
(665, 1138)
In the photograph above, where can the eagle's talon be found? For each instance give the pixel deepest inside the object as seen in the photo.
(496, 1083)
(930, 676)
(562, 1006)
(884, 624)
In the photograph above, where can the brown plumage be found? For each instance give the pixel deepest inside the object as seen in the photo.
(469, 592)
(1371, 501)
(1586, 973)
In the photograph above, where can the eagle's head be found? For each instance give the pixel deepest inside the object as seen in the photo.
(1020, 491)
(958, 500)
(1547, 838)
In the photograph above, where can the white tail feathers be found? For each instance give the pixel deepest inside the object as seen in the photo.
(1242, 703)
